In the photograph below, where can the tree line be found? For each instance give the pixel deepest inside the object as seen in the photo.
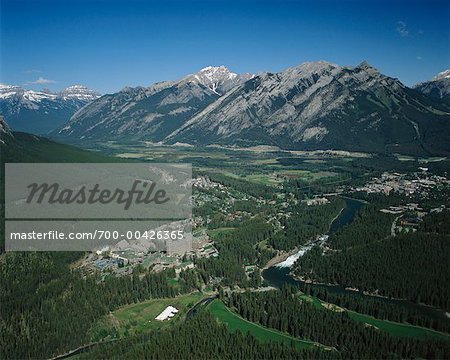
(284, 311)
(380, 308)
(408, 266)
(369, 225)
(237, 249)
(200, 337)
(304, 223)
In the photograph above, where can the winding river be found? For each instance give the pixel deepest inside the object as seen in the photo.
(279, 274)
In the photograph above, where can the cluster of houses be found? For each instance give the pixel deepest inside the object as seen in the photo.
(409, 216)
(402, 183)
(400, 209)
(207, 250)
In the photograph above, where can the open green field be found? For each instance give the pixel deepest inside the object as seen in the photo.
(264, 179)
(263, 164)
(235, 322)
(137, 318)
(278, 176)
(391, 327)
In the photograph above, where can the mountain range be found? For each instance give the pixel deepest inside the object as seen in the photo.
(438, 87)
(316, 105)
(40, 112)
(151, 113)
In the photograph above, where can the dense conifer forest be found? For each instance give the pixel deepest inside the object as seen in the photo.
(200, 337)
(284, 311)
(48, 309)
(409, 266)
(380, 308)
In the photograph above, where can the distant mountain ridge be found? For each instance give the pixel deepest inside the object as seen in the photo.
(438, 87)
(316, 105)
(442, 75)
(40, 112)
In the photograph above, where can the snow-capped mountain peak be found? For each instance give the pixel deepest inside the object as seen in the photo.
(79, 92)
(21, 94)
(219, 79)
(442, 75)
(74, 92)
(438, 87)
(41, 111)
(216, 73)
(7, 91)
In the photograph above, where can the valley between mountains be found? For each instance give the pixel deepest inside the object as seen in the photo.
(342, 171)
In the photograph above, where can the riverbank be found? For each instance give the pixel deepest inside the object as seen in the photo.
(278, 276)
(280, 257)
(332, 220)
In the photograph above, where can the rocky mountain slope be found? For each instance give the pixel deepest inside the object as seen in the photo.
(6, 135)
(40, 112)
(151, 113)
(438, 87)
(322, 106)
(316, 105)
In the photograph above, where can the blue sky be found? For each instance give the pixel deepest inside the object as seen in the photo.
(107, 45)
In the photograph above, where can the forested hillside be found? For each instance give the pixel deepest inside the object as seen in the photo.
(414, 266)
(283, 310)
(47, 309)
(200, 337)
